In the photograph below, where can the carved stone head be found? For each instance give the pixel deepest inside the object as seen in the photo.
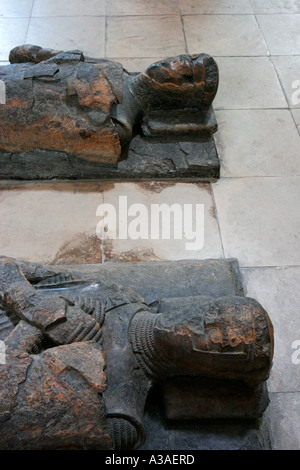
(185, 81)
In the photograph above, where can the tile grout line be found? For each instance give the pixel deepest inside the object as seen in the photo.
(282, 266)
(259, 176)
(276, 72)
(294, 119)
(233, 14)
(105, 36)
(101, 186)
(29, 20)
(217, 218)
(285, 108)
(273, 65)
(252, 8)
(215, 56)
(284, 92)
(251, 4)
(152, 15)
(184, 35)
(262, 33)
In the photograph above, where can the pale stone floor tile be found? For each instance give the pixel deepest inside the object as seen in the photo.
(142, 7)
(283, 417)
(69, 8)
(259, 220)
(281, 33)
(224, 35)
(144, 36)
(147, 194)
(248, 82)
(288, 69)
(137, 65)
(215, 7)
(277, 289)
(296, 114)
(50, 223)
(258, 142)
(275, 6)
(66, 33)
(12, 33)
(15, 8)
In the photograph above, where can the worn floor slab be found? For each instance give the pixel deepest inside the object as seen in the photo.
(254, 143)
(144, 36)
(86, 33)
(281, 33)
(12, 32)
(15, 9)
(259, 220)
(148, 194)
(50, 223)
(247, 83)
(224, 35)
(275, 6)
(137, 7)
(296, 116)
(219, 7)
(63, 8)
(288, 70)
(283, 418)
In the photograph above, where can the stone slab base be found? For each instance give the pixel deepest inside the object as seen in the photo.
(146, 158)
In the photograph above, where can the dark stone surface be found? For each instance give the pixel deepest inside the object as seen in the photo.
(145, 159)
(203, 398)
(150, 158)
(158, 320)
(163, 434)
(212, 278)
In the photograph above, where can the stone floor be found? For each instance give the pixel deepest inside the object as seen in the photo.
(251, 213)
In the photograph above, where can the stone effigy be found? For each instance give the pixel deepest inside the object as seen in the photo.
(82, 353)
(83, 347)
(70, 116)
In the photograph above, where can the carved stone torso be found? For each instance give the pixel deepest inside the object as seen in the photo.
(62, 104)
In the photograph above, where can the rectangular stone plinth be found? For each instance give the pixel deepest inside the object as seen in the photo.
(207, 398)
(145, 159)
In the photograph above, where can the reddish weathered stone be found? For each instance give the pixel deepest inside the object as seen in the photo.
(90, 108)
(81, 361)
(63, 104)
(53, 400)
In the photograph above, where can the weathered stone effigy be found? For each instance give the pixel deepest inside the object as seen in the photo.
(70, 116)
(83, 352)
